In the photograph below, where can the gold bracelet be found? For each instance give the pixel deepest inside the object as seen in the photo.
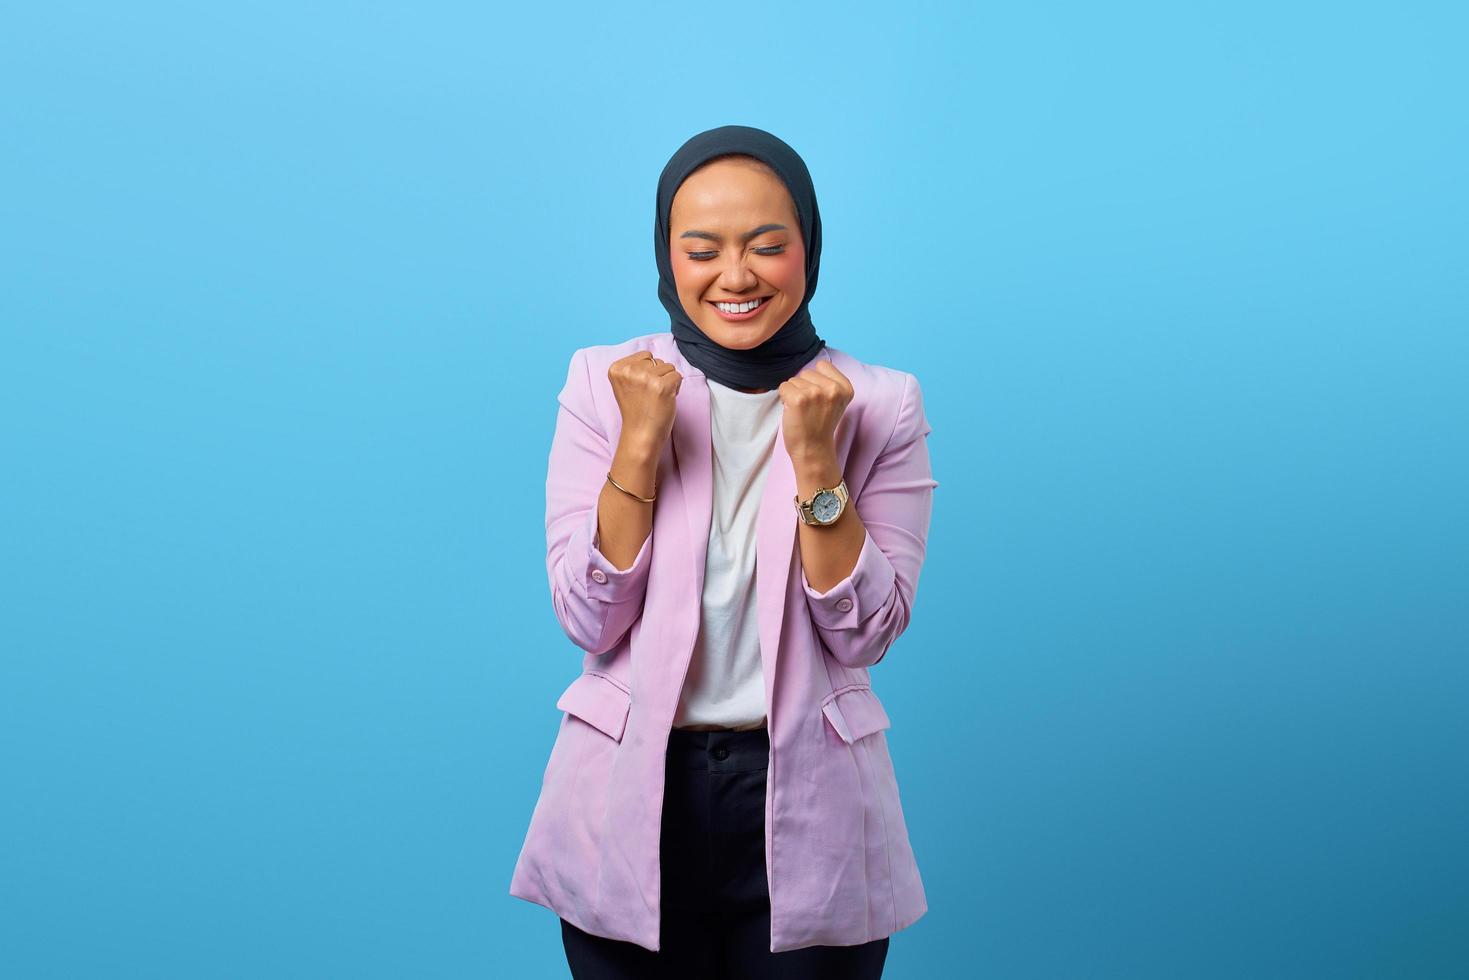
(646, 500)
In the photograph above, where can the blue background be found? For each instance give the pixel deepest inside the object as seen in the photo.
(288, 293)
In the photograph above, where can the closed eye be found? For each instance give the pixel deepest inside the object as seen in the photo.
(767, 250)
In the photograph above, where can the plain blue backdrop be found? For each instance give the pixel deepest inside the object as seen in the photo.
(287, 292)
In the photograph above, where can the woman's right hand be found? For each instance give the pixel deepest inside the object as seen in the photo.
(646, 389)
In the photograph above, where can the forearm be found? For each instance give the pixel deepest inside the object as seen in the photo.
(623, 521)
(828, 554)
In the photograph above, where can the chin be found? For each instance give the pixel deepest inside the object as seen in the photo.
(731, 335)
(735, 340)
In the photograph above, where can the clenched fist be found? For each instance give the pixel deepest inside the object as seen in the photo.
(814, 401)
(646, 389)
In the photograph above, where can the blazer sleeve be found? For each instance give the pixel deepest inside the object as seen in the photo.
(595, 601)
(861, 616)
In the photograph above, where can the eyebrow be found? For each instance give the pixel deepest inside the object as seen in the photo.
(744, 238)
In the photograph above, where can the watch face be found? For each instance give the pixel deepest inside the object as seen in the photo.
(825, 506)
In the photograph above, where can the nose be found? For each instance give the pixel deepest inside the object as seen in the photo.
(736, 277)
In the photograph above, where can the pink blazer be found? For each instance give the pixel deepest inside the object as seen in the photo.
(838, 859)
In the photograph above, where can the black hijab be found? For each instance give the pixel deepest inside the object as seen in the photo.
(788, 350)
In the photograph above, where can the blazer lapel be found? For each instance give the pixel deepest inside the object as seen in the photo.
(693, 450)
(775, 533)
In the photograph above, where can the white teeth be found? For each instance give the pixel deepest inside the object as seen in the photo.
(739, 307)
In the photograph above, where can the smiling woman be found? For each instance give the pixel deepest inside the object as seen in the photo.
(725, 274)
(720, 799)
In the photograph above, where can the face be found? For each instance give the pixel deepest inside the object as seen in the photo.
(716, 259)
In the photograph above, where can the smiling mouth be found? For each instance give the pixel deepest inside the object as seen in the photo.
(740, 311)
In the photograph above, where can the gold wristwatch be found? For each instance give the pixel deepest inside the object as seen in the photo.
(824, 506)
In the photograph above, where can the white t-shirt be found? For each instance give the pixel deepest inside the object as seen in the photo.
(725, 685)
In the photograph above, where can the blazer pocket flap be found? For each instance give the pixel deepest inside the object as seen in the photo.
(599, 701)
(855, 712)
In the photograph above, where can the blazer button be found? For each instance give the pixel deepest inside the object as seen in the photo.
(844, 605)
(721, 753)
(599, 576)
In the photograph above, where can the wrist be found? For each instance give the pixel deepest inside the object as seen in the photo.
(814, 472)
(636, 451)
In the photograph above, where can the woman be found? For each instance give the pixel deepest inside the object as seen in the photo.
(720, 800)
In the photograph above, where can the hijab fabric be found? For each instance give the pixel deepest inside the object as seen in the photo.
(788, 350)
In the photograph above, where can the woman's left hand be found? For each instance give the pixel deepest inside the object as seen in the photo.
(814, 401)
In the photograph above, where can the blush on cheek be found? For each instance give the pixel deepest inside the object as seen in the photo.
(787, 271)
(686, 282)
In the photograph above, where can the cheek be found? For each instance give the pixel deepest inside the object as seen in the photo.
(686, 276)
(789, 271)
(691, 286)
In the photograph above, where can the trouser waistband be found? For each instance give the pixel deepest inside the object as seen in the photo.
(719, 751)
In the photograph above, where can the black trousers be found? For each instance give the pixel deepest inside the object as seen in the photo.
(716, 898)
